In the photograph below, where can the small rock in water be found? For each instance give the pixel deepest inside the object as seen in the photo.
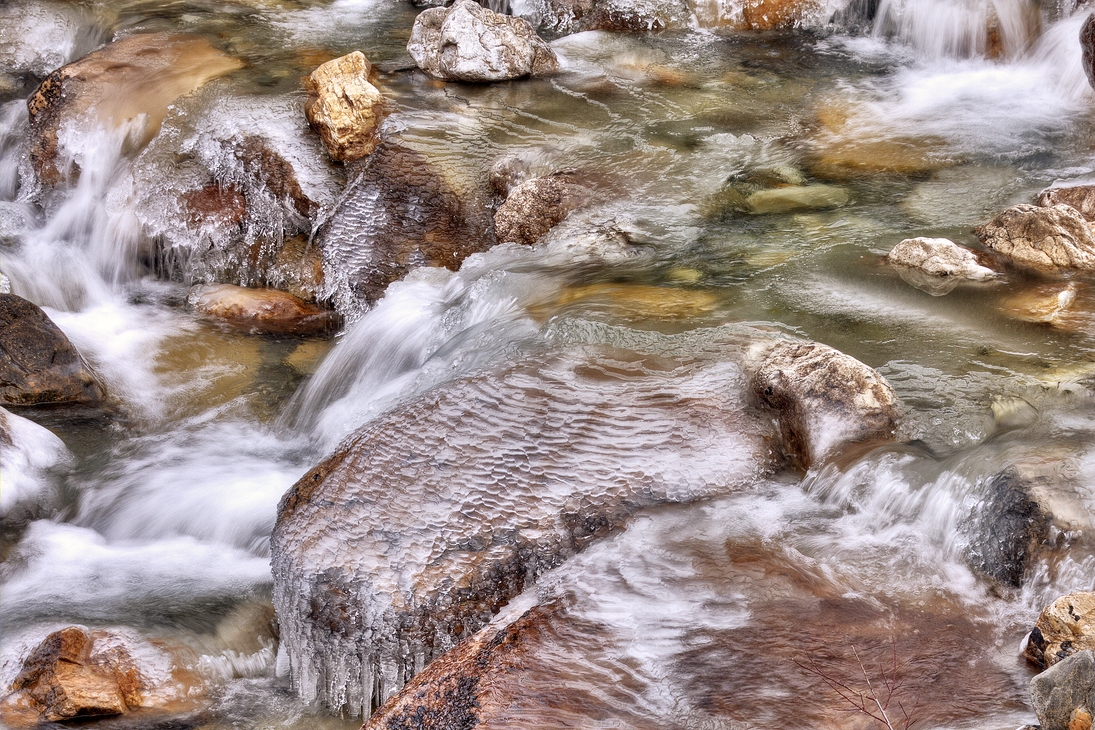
(132, 80)
(467, 42)
(1064, 627)
(1043, 304)
(1080, 197)
(534, 207)
(824, 400)
(939, 257)
(343, 107)
(38, 365)
(262, 311)
(797, 198)
(1048, 239)
(1064, 695)
(1087, 44)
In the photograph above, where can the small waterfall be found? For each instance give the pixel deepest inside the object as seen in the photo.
(960, 28)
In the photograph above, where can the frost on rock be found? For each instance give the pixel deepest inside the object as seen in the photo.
(432, 517)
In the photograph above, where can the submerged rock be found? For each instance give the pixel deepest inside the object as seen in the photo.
(939, 257)
(1063, 696)
(131, 81)
(397, 215)
(262, 311)
(1042, 304)
(797, 198)
(343, 107)
(1080, 197)
(1048, 239)
(433, 516)
(38, 365)
(1064, 627)
(534, 207)
(467, 42)
(824, 400)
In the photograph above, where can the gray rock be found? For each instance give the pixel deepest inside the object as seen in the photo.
(1064, 695)
(939, 257)
(1048, 239)
(1013, 526)
(1087, 44)
(1080, 197)
(467, 42)
(823, 399)
(38, 365)
(535, 207)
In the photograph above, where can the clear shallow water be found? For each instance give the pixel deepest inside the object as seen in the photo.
(159, 519)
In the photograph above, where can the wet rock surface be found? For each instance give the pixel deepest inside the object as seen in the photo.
(823, 399)
(467, 42)
(1080, 197)
(1047, 239)
(343, 107)
(535, 206)
(38, 365)
(1064, 695)
(402, 542)
(262, 311)
(130, 81)
(1014, 526)
(1064, 628)
(1087, 45)
(398, 214)
(939, 257)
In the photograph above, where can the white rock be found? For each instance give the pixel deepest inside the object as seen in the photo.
(939, 257)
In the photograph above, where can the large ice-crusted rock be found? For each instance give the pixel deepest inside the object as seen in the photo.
(433, 516)
(1064, 695)
(1050, 239)
(467, 42)
(575, 16)
(397, 215)
(133, 80)
(38, 365)
(939, 257)
(823, 399)
(343, 107)
(1064, 627)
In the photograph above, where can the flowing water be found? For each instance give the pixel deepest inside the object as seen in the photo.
(931, 118)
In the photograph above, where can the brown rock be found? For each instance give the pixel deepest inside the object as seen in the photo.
(217, 205)
(262, 311)
(1080, 197)
(535, 206)
(38, 365)
(262, 163)
(1087, 44)
(1064, 627)
(343, 107)
(1049, 239)
(824, 400)
(139, 75)
(774, 14)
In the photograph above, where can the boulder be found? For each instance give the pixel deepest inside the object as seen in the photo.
(1064, 695)
(823, 399)
(396, 215)
(1047, 239)
(1087, 45)
(1080, 197)
(131, 81)
(343, 107)
(1013, 526)
(38, 365)
(467, 42)
(939, 257)
(1064, 627)
(436, 514)
(535, 206)
(262, 311)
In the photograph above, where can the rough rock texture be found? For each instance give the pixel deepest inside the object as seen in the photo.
(1080, 197)
(397, 215)
(467, 42)
(139, 75)
(436, 514)
(1087, 44)
(939, 257)
(1064, 627)
(621, 16)
(824, 400)
(1048, 239)
(343, 107)
(1064, 695)
(1013, 526)
(534, 207)
(38, 365)
(774, 14)
(262, 311)
(458, 689)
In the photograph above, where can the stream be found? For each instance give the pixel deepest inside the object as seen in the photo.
(156, 518)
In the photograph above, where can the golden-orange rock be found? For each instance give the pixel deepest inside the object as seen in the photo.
(262, 311)
(343, 107)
